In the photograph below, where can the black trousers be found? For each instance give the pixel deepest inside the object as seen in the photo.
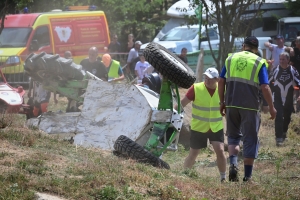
(283, 118)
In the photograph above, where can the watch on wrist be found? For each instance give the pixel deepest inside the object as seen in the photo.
(222, 103)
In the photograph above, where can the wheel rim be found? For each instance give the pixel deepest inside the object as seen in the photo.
(170, 57)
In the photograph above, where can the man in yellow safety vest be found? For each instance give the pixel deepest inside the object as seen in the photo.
(243, 75)
(115, 72)
(206, 120)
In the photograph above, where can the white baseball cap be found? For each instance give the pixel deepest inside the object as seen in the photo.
(138, 42)
(211, 72)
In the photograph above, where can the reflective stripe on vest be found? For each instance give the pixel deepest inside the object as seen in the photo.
(205, 110)
(114, 69)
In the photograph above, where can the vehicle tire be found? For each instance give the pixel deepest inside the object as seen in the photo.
(129, 148)
(169, 65)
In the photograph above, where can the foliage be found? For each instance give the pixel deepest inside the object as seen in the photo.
(136, 17)
(294, 7)
(141, 18)
(231, 20)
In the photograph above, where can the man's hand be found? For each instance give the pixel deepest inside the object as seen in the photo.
(222, 109)
(272, 112)
(265, 109)
(298, 99)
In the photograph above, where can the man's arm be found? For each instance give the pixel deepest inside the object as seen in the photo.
(221, 91)
(266, 91)
(268, 97)
(185, 101)
(290, 50)
(121, 75)
(30, 88)
(269, 46)
(55, 97)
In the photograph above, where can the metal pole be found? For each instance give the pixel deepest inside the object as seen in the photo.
(199, 16)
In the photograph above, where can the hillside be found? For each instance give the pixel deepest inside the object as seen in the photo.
(32, 161)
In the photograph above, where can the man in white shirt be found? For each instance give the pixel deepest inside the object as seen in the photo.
(276, 50)
(133, 53)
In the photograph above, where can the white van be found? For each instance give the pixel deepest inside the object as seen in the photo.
(188, 37)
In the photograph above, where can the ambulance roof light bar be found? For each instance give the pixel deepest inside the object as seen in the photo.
(73, 8)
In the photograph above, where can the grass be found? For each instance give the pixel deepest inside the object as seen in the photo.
(31, 161)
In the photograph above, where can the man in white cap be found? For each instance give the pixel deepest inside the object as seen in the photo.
(207, 122)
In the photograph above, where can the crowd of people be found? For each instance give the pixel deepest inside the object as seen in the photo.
(245, 75)
(236, 94)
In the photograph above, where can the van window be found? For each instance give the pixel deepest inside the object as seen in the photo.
(213, 35)
(290, 31)
(42, 36)
(14, 37)
(180, 34)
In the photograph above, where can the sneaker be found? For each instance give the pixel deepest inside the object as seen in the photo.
(223, 180)
(284, 137)
(246, 179)
(233, 173)
(249, 180)
(279, 142)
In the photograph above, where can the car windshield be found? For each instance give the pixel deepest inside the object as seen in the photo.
(180, 34)
(290, 31)
(14, 37)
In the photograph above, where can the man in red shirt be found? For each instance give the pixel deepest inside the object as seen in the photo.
(207, 122)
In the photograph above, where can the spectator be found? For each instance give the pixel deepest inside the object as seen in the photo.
(293, 44)
(130, 42)
(94, 65)
(114, 47)
(133, 53)
(276, 50)
(182, 56)
(115, 72)
(284, 77)
(243, 73)
(295, 54)
(295, 62)
(68, 55)
(207, 122)
(40, 96)
(140, 68)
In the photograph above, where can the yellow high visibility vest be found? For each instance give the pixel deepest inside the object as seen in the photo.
(205, 112)
(114, 69)
(242, 81)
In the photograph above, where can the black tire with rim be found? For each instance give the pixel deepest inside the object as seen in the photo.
(129, 148)
(169, 65)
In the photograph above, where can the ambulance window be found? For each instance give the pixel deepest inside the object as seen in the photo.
(42, 36)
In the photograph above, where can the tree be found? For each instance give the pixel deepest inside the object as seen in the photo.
(140, 18)
(6, 6)
(294, 7)
(231, 20)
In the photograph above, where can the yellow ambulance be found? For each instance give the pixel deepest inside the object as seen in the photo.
(51, 32)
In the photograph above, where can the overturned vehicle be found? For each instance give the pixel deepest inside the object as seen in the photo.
(132, 120)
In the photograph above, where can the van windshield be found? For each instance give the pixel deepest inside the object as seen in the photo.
(14, 37)
(290, 31)
(180, 34)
